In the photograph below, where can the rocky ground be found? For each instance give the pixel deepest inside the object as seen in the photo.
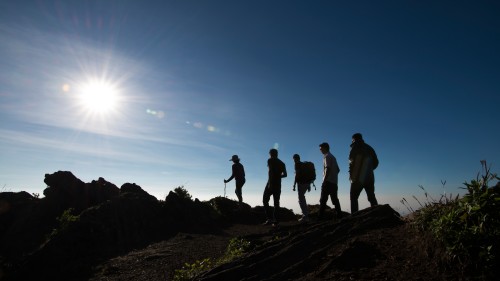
(97, 231)
(371, 245)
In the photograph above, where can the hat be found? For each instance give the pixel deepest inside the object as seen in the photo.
(234, 158)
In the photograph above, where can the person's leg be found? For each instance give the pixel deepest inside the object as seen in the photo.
(325, 192)
(302, 199)
(276, 197)
(335, 199)
(370, 192)
(238, 192)
(356, 188)
(265, 200)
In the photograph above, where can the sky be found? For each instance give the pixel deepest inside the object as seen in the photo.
(163, 93)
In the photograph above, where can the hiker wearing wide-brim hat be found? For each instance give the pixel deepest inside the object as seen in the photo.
(238, 175)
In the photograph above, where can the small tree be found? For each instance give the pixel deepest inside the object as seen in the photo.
(182, 192)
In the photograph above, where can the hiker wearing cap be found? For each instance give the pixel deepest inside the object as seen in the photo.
(362, 161)
(329, 187)
(303, 186)
(238, 175)
(277, 171)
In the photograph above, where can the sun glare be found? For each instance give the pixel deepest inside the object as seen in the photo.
(99, 97)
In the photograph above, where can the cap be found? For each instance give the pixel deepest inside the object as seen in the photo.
(234, 158)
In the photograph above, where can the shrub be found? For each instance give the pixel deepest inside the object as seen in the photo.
(182, 193)
(468, 227)
(64, 220)
(67, 218)
(236, 248)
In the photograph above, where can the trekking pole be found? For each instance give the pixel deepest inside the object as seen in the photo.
(224, 190)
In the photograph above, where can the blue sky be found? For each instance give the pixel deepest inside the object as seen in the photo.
(195, 82)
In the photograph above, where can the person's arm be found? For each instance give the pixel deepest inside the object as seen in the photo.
(327, 173)
(375, 158)
(328, 169)
(296, 175)
(231, 177)
(283, 174)
(353, 164)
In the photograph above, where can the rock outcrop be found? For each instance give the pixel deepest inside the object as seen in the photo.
(312, 252)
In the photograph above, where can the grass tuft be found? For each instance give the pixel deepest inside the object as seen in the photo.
(236, 248)
(468, 227)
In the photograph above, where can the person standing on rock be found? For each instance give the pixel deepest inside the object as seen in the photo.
(277, 171)
(239, 177)
(362, 161)
(303, 186)
(329, 187)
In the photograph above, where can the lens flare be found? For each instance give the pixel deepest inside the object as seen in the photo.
(66, 88)
(158, 113)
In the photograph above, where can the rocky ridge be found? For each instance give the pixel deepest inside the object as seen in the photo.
(97, 231)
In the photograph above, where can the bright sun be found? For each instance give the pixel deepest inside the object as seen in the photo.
(99, 97)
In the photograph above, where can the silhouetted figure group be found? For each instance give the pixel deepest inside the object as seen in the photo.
(362, 161)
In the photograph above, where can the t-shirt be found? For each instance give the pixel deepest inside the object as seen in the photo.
(329, 161)
(276, 169)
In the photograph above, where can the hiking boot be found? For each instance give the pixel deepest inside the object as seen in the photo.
(268, 222)
(276, 224)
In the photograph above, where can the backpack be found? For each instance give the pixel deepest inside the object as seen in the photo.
(308, 171)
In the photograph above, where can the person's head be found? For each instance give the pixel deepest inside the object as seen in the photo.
(273, 153)
(296, 158)
(235, 159)
(357, 137)
(324, 147)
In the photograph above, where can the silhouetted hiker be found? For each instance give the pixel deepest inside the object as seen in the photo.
(303, 186)
(329, 187)
(238, 175)
(277, 170)
(362, 161)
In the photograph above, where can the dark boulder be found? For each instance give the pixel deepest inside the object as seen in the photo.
(115, 227)
(65, 191)
(136, 189)
(189, 215)
(21, 223)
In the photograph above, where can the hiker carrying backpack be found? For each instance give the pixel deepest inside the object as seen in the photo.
(309, 172)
